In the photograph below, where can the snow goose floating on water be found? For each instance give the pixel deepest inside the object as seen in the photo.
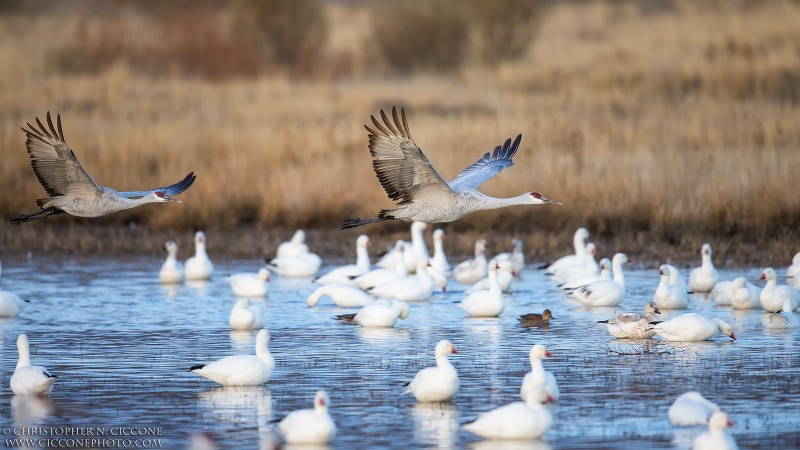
(172, 269)
(436, 384)
(536, 320)
(691, 408)
(413, 288)
(516, 255)
(28, 379)
(11, 304)
(250, 284)
(241, 370)
(691, 327)
(487, 303)
(505, 275)
(716, 438)
(588, 267)
(295, 247)
(633, 326)
(300, 266)
(579, 243)
(414, 251)
(538, 377)
(782, 319)
(439, 260)
(604, 292)
(246, 316)
(199, 267)
(379, 314)
(376, 277)
(773, 296)
(703, 278)
(605, 274)
(472, 270)
(343, 295)
(794, 269)
(516, 421)
(309, 426)
(745, 295)
(669, 296)
(345, 273)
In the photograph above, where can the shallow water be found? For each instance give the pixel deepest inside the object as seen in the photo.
(120, 344)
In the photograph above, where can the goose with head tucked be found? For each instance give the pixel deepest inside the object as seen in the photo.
(382, 313)
(241, 370)
(413, 288)
(376, 277)
(343, 295)
(691, 408)
(172, 269)
(773, 296)
(588, 267)
(345, 273)
(669, 296)
(716, 438)
(472, 270)
(744, 295)
(703, 278)
(633, 326)
(516, 256)
(436, 384)
(300, 266)
(691, 327)
(603, 292)
(489, 302)
(246, 316)
(505, 275)
(579, 243)
(439, 260)
(199, 266)
(295, 247)
(250, 284)
(515, 421)
(605, 274)
(28, 379)
(781, 320)
(538, 377)
(309, 426)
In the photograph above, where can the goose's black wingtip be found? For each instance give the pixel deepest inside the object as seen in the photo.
(193, 368)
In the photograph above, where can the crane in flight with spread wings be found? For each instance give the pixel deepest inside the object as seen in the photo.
(70, 189)
(422, 195)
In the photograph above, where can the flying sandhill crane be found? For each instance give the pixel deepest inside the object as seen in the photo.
(71, 190)
(409, 178)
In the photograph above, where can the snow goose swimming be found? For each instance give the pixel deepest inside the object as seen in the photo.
(516, 255)
(604, 292)
(250, 284)
(309, 426)
(28, 379)
(588, 267)
(605, 274)
(343, 274)
(538, 377)
(781, 319)
(536, 320)
(343, 295)
(633, 326)
(199, 267)
(472, 270)
(241, 370)
(245, 316)
(295, 247)
(376, 277)
(378, 314)
(773, 296)
(691, 327)
(172, 269)
(691, 408)
(794, 269)
(487, 303)
(745, 295)
(439, 261)
(436, 384)
(505, 275)
(716, 438)
(413, 288)
(517, 421)
(300, 266)
(414, 251)
(669, 296)
(579, 243)
(703, 278)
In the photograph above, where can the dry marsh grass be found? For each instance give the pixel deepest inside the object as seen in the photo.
(685, 121)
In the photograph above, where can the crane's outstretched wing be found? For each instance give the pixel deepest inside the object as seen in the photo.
(486, 167)
(169, 191)
(55, 165)
(404, 171)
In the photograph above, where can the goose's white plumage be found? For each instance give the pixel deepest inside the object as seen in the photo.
(604, 292)
(10, 303)
(703, 278)
(28, 379)
(780, 320)
(414, 251)
(250, 284)
(413, 288)
(721, 293)
(381, 275)
(505, 275)
(172, 269)
(605, 274)
(773, 296)
(669, 296)
(487, 303)
(345, 273)
(472, 270)
(436, 384)
(241, 370)
(691, 408)
(515, 421)
(309, 426)
(633, 326)
(675, 278)
(744, 295)
(439, 260)
(794, 269)
(382, 313)
(716, 438)
(439, 279)
(295, 247)
(538, 377)
(516, 255)
(199, 266)
(579, 242)
(246, 316)
(343, 295)
(692, 327)
(301, 266)
(588, 267)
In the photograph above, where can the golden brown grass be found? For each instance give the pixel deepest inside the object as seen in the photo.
(680, 122)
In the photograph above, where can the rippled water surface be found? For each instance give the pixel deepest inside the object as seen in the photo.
(121, 345)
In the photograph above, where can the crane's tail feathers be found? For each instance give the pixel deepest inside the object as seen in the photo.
(22, 218)
(352, 223)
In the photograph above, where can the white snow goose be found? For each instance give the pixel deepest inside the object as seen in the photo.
(345, 273)
(439, 260)
(172, 269)
(309, 426)
(413, 288)
(716, 438)
(538, 377)
(436, 384)
(295, 247)
(472, 270)
(669, 296)
(28, 379)
(605, 274)
(414, 251)
(691, 408)
(505, 275)
(376, 277)
(199, 266)
(794, 269)
(588, 267)
(773, 296)
(246, 316)
(250, 284)
(745, 295)
(691, 327)
(378, 314)
(784, 319)
(703, 278)
(487, 303)
(579, 243)
(241, 370)
(516, 255)
(300, 266)
(633, 326)
(515, 421)
(604, 292)
(343, 295)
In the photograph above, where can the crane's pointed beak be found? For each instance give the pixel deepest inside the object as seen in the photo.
(170, 199)
(549, 200)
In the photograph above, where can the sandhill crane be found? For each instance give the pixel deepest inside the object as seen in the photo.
(71, 190)
(409, 178)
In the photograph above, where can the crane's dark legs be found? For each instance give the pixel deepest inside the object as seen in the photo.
(22, 218)
(352, 223)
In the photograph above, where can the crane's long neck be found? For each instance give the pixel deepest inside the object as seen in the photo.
(481, 202)
(362, 258)
(24, 352)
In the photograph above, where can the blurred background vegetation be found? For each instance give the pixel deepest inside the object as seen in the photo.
(664, 117)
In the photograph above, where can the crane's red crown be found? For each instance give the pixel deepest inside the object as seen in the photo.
(159, 194)
(536, 195)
